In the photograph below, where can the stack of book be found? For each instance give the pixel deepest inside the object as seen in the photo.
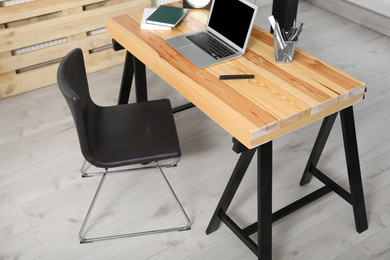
(162, 18)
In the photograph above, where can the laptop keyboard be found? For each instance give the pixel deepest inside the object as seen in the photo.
(210, 45)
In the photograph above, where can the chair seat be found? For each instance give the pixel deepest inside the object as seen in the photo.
(132, 134)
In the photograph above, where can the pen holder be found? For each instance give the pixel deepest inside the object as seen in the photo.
(284, 50)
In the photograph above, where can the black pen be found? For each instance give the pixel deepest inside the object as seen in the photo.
(242, 76)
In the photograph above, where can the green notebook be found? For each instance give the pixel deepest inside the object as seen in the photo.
(167, 16)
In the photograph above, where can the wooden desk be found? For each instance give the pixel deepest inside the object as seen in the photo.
(280, 99)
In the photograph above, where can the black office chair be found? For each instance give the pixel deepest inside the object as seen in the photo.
(116, 136)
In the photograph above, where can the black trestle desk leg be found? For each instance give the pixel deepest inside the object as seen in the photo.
(127, 79)
(140, 80)
(231, 188)
(318, 147)
(353, 166)
(264, 200)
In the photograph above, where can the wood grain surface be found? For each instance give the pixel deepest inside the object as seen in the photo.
(279, 96)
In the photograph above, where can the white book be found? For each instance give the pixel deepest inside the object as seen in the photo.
(148, 26)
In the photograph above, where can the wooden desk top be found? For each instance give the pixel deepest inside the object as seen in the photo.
(280, 99)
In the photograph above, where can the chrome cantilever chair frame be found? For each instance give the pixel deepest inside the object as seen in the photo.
(89, 240)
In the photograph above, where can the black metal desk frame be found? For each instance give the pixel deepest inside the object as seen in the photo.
(263, 250)
(264, 183)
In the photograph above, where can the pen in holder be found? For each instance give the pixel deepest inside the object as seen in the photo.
(285, 42)
(284, 50)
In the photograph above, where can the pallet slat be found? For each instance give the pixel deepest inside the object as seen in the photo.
(44, 31)
(13, 63)
(21, 72)
(45, 76)
(38, 8)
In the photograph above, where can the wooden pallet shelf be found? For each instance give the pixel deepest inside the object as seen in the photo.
(48, 30)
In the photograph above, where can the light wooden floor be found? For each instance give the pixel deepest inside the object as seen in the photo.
(43, 199)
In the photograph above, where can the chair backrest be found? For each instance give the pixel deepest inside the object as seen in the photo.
(72, 81)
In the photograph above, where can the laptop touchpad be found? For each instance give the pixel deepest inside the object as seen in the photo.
(194, 55)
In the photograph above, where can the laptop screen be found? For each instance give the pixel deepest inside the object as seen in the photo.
(232, 19)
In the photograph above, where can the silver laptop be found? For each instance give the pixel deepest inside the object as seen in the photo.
(225, 37)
